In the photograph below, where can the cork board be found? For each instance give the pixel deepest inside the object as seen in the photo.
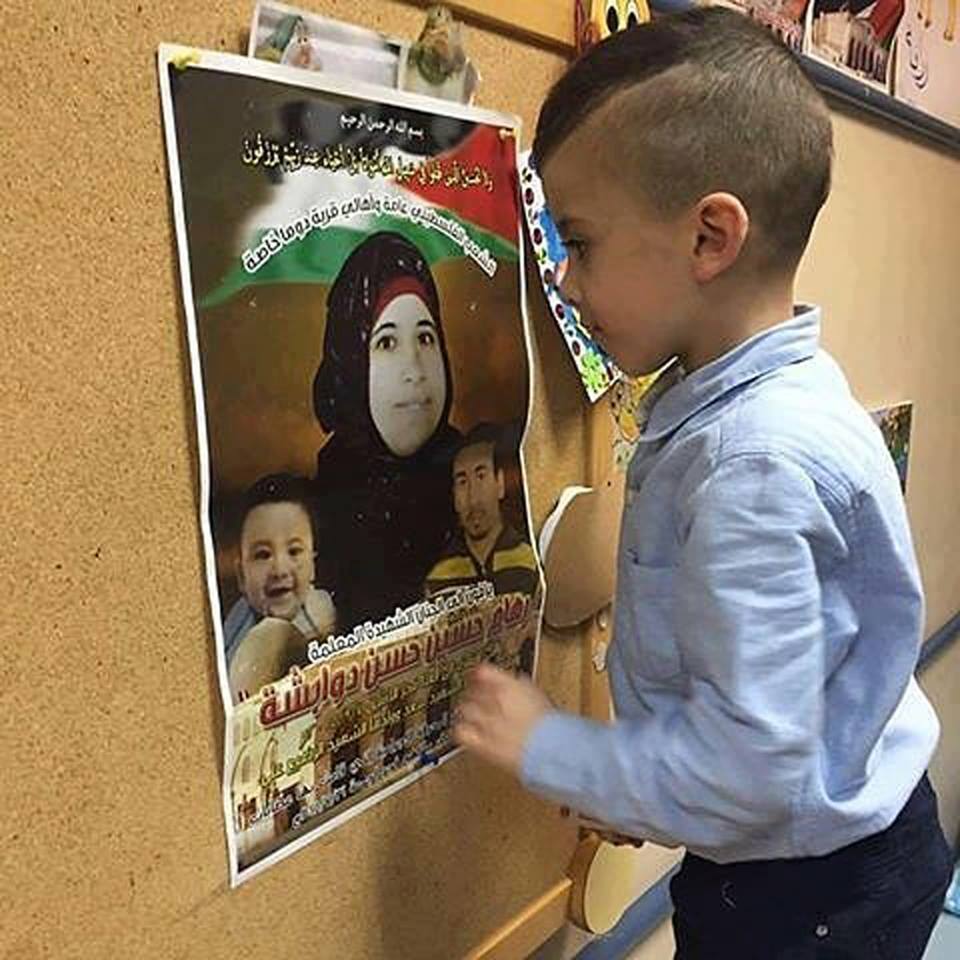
(112, 843)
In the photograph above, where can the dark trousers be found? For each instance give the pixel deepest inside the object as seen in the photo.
(877, 898)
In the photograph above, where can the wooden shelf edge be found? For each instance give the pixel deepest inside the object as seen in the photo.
(528, 929)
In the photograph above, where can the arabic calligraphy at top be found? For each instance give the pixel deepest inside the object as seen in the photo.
(294, 155)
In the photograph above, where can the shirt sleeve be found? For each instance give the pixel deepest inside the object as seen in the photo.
(727, 757)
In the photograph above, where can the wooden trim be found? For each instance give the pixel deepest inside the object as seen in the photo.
(545, 21)
(529, 928)
(579, 870)
(939, 641)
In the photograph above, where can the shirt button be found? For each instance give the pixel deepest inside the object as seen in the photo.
(822, 930)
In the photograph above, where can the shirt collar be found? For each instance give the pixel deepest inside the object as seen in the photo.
(681, 396)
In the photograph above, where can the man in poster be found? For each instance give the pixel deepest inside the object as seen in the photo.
(487, 547)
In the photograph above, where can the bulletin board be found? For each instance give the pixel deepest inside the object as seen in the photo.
(113, 841)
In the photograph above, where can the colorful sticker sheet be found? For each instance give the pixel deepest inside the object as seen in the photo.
(597, 370)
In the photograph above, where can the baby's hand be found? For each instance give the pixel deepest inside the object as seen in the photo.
(497, 714)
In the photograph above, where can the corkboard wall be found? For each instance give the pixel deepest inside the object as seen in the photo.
(112, 840)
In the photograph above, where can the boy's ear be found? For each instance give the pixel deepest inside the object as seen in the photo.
(501, 485)
(722, 224)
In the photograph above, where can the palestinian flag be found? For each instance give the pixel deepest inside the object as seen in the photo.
(486, 213)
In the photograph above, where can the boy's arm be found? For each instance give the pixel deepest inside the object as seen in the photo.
(729, 757)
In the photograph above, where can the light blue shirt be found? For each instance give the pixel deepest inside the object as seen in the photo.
(769, 616)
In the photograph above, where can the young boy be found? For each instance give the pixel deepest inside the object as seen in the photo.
(275, 573)
(769, 609)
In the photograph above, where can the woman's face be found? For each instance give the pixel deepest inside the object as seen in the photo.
(408, 384)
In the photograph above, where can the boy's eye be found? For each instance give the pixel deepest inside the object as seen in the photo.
(575, 247)
(261, 553)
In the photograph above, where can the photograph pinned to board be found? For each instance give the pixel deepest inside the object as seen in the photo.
(434, 65)
(856, 37)
(437, 64)
(361, 377)
(928, 58)
(597, 370)
(896, 423)
(298, 38)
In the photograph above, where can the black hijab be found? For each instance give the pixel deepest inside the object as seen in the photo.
(385, 518)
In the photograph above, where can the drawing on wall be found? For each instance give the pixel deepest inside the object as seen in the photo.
(786, 18)
(626, 410)
(856, 37)
(351, 266)
(595, 20)
(928, 58)
(896, 424)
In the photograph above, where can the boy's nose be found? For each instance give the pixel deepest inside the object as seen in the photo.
(568, 289)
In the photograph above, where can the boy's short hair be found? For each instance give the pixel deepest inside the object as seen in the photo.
(697, 102)
(279, 488)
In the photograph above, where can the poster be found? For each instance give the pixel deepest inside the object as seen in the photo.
(895, 424)
(597, 370)
(928, 58)
(352, 283)
(856, 37)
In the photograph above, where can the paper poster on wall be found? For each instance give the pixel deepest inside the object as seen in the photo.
(352, 279)
(856, 37)
(928, 58)
(896, 423)
(597, 370)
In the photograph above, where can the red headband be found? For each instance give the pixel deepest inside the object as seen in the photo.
(397, 288)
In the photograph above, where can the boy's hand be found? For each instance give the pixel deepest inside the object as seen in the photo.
(497, 713)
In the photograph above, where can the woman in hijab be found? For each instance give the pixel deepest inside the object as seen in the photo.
(383, 389)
